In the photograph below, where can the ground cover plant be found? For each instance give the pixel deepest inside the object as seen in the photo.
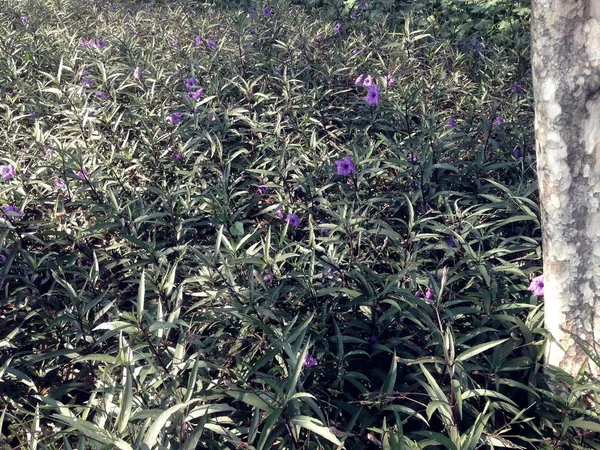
(297, 225)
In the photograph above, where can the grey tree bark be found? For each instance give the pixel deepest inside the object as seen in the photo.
(566, 80)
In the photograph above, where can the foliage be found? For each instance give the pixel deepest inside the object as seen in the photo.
(186, 266)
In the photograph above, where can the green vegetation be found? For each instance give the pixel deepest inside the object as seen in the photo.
(299, 226)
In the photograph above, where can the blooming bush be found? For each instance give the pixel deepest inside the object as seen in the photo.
(290, 225)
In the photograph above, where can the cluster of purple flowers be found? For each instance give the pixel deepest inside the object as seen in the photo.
(372, 97)
(413, 158)
(194, 94)
(199, 41)
(91, 43)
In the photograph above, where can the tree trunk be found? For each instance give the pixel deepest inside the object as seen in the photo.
(566, 81)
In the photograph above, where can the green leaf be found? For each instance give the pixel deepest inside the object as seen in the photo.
(93, 431)
(237, 229)
(444, 440)
(464, 356)
(151, 436)
(585, 425)
(316, 427)
(126, 401)
(252, 399)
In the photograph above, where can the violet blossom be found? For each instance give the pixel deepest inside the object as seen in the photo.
(345, 166)
(537, 286)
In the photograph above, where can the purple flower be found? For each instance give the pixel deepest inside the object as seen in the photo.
(345, 166)
(12, 212)
(359, 80)
(413, 158)
(100, 43)
(174, 42)
(517, 153)
(516, 87)
(309, 361)
(267, 12)
(7, 172)
(293, 220)
(338, 27)
(362, 5)
(269, 279)
(198, 40)
(389, 80)
(279, 213)
(137, 73)
(372, 97)
(190, 83)
(368, 82)
(211, 43)
(101, 95)
(499, 121)
(176, 117)
(418, 294)
(177, 156)
(373, 340)
(280, 70)
(262, 189)
(450, 241)
(87, 82)
(429, 295)
(59, 184)
(82, 174)
(2, 258)
(356, 51)
(451, 123)
(25, 20)
(196, 95)
(537, 286)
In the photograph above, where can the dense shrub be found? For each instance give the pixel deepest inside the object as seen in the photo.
(218, 233)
